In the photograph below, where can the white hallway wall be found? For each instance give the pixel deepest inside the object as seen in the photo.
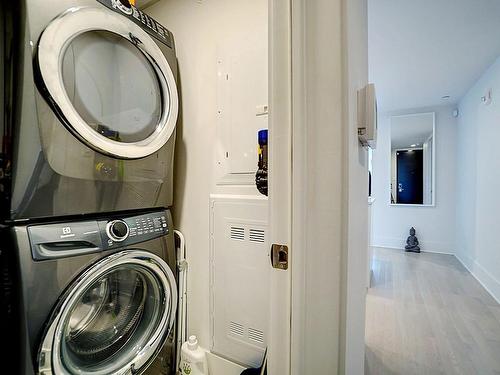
(478, 181)
(198, 28)
(435, 225)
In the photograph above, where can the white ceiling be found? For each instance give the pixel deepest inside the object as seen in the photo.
(411, 129)
(421, 50)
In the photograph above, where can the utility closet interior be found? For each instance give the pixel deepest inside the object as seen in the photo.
(223, 74)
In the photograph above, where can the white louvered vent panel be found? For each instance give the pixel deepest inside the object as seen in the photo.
(240, 274)
(238, 233)
(257, 235)
(236, 329)
(256, 335)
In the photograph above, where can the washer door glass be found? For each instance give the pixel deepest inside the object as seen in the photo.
(112, 86)
(111, 320)
(115, 318)
(108, 82)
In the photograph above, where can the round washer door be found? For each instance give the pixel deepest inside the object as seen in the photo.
(108, 82)
(114, 319)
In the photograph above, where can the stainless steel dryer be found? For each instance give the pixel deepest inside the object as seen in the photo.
(89, 297)
(90, 109)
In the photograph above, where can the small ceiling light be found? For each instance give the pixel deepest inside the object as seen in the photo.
(446, 97)
(414, 145)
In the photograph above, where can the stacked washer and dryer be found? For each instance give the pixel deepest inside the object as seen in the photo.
(88, 115)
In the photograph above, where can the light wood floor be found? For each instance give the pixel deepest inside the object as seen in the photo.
(426, 314)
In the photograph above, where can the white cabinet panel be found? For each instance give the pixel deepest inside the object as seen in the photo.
(239, 278)
(242, 88)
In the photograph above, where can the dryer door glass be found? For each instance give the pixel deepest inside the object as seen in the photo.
(112, 86)
(108, 82)
(116, 317)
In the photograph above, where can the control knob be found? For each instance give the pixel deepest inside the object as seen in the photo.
(117, 230)
(124, 6)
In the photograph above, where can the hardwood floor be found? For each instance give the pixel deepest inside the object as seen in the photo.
(426, 314)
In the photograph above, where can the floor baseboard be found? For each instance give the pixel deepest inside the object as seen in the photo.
(423, 251)
(496, 298)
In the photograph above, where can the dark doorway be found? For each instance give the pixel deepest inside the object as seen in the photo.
(410, 176)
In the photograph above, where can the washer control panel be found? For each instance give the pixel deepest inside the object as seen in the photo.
(63, 239)
(133, 229)
(151, 26)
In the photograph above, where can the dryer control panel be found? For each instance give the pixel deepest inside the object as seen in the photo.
(65, 239)
(152, 26)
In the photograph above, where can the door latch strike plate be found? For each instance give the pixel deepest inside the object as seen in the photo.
(279, 256)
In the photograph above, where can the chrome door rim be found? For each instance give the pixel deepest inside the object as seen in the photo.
(49, 359)
(51, 47)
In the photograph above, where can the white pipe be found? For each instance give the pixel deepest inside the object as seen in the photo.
(182, 266)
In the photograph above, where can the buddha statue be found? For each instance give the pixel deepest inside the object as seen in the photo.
(412, 242)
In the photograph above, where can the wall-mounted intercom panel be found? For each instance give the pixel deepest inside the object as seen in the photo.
(367, 116)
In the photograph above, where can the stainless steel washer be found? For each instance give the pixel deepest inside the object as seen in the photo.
(92, 297)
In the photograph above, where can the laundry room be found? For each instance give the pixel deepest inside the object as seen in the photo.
(133, 186)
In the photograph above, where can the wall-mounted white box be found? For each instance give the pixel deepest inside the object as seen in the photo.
(367, 116)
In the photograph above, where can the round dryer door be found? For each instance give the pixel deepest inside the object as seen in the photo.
(108, 81)
(114, 319)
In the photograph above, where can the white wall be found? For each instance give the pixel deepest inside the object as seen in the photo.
(478, 181)
(435, 225)
(198, 28)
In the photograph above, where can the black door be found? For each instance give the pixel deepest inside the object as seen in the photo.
(410, 177)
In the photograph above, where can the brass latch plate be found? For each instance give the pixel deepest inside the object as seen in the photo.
(279, 256)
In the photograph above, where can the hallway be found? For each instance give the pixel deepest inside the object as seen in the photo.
(426, 314)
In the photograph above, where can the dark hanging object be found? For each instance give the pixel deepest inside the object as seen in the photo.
(412, 242)
(261, 175)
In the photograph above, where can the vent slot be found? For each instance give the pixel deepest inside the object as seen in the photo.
(257, 235)
(236, 328)
(238, 233)
(256, 335)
